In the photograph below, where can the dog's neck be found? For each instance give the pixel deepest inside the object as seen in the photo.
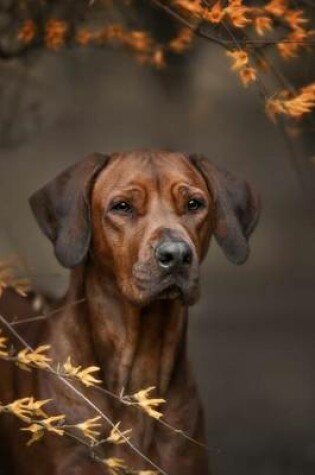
(135, 347)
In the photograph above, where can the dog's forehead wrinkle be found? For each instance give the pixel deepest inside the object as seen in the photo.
(154, 173)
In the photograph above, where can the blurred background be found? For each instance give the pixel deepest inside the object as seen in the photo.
(251, 337)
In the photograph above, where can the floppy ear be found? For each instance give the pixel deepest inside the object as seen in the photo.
(237, 209)
(62, 209)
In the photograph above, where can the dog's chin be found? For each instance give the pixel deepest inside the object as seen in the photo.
(187, 295)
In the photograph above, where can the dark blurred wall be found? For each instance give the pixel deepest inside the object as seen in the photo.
(252, 334)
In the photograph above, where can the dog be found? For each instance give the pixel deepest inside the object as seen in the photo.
(133, 228)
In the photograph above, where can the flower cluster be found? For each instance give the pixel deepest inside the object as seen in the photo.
(273, 15)
(294, 106)
(38, 422)
(89, 432)
(55, 34)
(141, 43)
(262, 19)
(241, 64)
(76, 372)
(243, 28)
(33, 358)
(8, 278)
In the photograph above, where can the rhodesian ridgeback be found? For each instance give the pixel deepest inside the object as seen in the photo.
(133, 228)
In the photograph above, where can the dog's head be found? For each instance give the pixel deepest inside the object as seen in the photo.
(147, 219)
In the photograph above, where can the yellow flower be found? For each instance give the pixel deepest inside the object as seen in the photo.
(26, 407)
(215, 14)
(35, 357)
(5, 275)
(115, 465)
(88, 428)
(294, 107)
(276, 7)
(27, 32)
(262, 24)
(248, 75)
(69, 369)
(290, 46)
(55, 33)
(84, 375)
(239, 57)
(7, 279)
(3, 346)
(36, 406)
(237, 13)
(148, 404)
(37, 433)
(83, 37)
(21, 286)
(182, 41)
(21, 408)
(158, 59)
(117, 436)
(38, 428)
(191, 7)
(295, 18)
(86, 378)
(50, 421)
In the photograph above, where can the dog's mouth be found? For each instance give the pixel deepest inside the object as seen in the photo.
(170, 288)
(187, 293)
(158, 284)
(171, 292)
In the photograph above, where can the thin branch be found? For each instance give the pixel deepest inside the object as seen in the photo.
(85, 399)
(121, 399)
(196, 29)
(47, 315)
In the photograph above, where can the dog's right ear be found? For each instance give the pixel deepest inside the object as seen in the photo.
(62, 209)
(237, 208)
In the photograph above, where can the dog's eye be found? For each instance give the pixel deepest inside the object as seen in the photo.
(122, 207)
(194, 204)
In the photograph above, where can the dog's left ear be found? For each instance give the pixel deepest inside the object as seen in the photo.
(237, 208)
(62, 209)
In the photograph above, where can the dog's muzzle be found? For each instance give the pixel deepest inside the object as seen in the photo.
(171, 272)
(173, 256)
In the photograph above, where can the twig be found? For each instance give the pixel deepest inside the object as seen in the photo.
(85, 399)
(48, 315)
(121, 399)
(197, 30)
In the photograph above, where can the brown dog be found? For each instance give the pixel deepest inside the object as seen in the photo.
(134, 228)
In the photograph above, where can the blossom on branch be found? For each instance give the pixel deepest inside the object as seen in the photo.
(148, 404)
(239, 57)
(3, 346)
(294, 107)
(27, 32)
(117, 436)
(55, 33)
(83, 375)
(248, 75)
(27, 357)
(89, 428)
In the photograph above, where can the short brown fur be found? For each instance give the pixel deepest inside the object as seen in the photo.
(133, 321)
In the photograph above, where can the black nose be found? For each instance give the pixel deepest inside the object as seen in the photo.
(170, 254)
